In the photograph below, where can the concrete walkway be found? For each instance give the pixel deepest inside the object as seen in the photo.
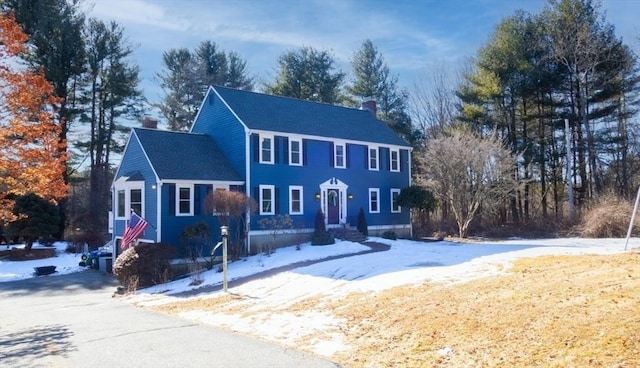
(374, 247)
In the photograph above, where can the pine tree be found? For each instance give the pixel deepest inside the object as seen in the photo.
(308, 74)
(187, 76)
(373, 80)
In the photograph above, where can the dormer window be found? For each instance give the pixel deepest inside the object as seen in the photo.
(266, 149)
(338, 156)
(373, 158)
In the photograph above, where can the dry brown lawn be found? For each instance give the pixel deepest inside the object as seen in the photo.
(553, 311)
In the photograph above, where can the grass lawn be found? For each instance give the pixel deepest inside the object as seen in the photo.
(550, 311)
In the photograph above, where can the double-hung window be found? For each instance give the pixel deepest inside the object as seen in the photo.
(267, 199)
(373, 158)
(184, 200)
(295, 152)
(395, 207)
(127, 199)
(135, 200)
(394, 157)
(339, 152)
(121, 203)
(266, 149)
(295, 200)
(374, 200)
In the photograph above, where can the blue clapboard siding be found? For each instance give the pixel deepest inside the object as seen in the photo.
(318, 169)
(215, 151)
(173, 225)
(133, 160)
(216, 120)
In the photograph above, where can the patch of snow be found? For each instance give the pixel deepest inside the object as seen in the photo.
(17, 270)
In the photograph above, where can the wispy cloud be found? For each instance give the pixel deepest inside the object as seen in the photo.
(410, 34)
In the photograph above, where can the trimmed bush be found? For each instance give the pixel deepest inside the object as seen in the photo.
(144, 265)
(318, 224)
(362, 223)
(320, 234)
(322, 238)
(389, 235)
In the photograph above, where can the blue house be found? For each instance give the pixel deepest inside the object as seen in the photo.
(293, 157)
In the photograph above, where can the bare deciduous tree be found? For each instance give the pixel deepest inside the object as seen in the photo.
(468, 172)
(434, 102)
(229, 206)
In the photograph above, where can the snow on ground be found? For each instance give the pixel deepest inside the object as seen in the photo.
(264, 301)
(64, 262)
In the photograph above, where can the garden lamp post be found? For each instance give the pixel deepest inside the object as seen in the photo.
(224, 231)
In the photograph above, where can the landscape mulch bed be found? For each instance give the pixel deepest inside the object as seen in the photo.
(18, 254)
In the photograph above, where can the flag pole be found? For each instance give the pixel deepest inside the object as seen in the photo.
(633, 218)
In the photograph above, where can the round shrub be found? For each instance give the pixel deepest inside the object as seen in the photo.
(144, 265)
(390, 235)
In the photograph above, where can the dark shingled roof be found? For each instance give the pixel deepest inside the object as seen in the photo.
(288, 115)
(187, 156)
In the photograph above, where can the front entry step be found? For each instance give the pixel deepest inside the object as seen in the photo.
(349, 234)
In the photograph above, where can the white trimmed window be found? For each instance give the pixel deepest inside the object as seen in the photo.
(295, 152)
(296, 204)
(394, 158)
(339, 150)
(374, 200)
(135, 200)
(266, 149)
(395, 207)
(121, 203)
(128, 199)
(184, 200)
(373, 158)
(267, 199)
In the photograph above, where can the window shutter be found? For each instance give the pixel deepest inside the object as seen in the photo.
(256, 197)
(276, 204)
(366, 157)
(387, 158)
(172, 199)
(197, 194)
(285, 143)
(347, 154)
(304, 152)
(401, 156)
(276, 149)
(332, 151)
(256, 148)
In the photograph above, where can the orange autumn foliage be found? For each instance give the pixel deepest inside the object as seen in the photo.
(32, 158)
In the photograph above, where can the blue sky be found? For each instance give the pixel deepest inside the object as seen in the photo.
(413, 36)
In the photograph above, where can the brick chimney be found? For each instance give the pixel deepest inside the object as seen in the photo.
(370, 104)
(150, 123)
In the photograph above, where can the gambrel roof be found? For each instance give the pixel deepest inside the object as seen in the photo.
(264, 112)
(185, 156)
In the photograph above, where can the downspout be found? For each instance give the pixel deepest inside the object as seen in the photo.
(159, 211)
(113, 220)
(247, 189)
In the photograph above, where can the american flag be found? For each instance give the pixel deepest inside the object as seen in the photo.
(135, 228)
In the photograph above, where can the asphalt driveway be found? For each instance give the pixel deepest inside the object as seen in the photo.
(73, 321)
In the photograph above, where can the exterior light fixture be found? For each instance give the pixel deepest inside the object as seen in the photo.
(350, 196)
(317, 196)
